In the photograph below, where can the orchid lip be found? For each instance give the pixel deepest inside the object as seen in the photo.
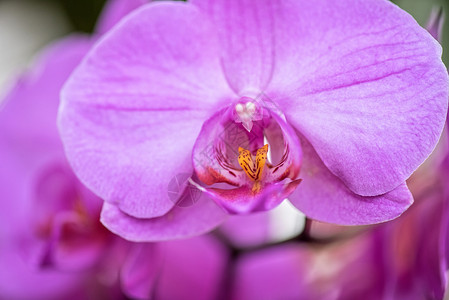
(232, 157)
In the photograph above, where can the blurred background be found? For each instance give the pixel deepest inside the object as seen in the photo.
(28, 25)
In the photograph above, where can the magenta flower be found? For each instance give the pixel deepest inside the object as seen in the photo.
(329, 104)
(343, 271)
(50, 239)
(46, 211)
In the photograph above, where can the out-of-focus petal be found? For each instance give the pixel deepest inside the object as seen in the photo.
(324, 197)
(29, 140)
(196, 267)
(415, 248)
(114, 11)
(19, 281)
(187, 269)
(180, 222)
(35, 131)
(311, 272)
(139, 274)
(244, 231)
(366, 86)
(435, 24)
(131, 112)
(76, 245)
(276, 273)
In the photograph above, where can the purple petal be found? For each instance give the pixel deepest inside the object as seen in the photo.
(295, 271)
(170, 270)
(416, 249)
(246, 33)
(76, 245)
(365, 85)
(324, 197)
(180, 222)
(140, 271)
(277, 273)
(195, 267)
(131, 112)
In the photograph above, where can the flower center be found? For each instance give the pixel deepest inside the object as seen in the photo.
(253, 169)
(264, 170)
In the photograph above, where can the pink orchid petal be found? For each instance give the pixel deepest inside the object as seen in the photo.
(358, 78)
(180, 222)
(365, 85)
(324, 197)
(131, 112)
(245, 30)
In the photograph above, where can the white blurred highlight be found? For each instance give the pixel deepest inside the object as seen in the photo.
(285, 222)
(25, 27)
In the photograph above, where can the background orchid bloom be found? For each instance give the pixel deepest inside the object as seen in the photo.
(406, 259)
(50, 239)
(52, 245)
(46, 211)
(350, 97)
(188, 269)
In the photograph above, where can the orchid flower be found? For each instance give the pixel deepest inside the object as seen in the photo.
(331, 104)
